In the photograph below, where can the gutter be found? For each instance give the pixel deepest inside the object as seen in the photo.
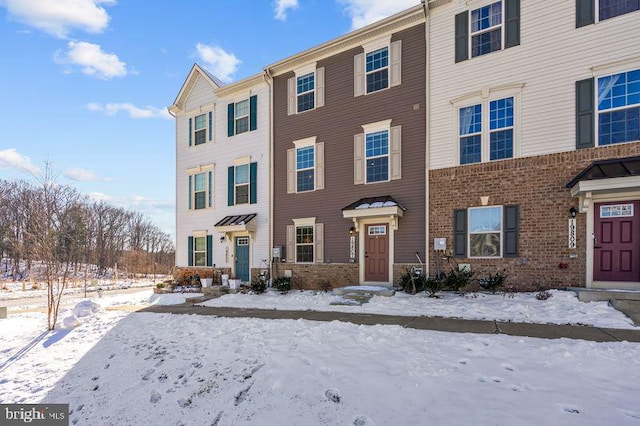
(269, 80)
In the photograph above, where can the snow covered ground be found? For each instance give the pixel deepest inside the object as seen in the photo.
(121, 368)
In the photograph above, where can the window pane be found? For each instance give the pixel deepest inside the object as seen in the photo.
(619, 126)
(304, 235)
(201, 136)
(200, 182)
(487, 42)
(305, 180)
(306, 101)
(200, 200)
(501, 113)
(377, 80)
(619, 90)
(304, 244)
(305, 158)
(242, 194)
(485, 245)
(377, 59)
(485, 219)
(200, 259)
(200, 122)
(242, 125)
(200, 243)
(486, 17)
(470, 149)
(377, 144)
(501, 144)
(377, 169)
(242, 108)
(242, 174)
(470, 120)
(611, 8)
(304, 253)
(305, 83)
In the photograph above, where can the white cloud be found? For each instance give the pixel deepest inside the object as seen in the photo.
(133, 111)
(93, 60)
(12, 159)
(281, 7)
(83, 175)
(222, 64)
(59, 17)
(99, 196)
(365, 12)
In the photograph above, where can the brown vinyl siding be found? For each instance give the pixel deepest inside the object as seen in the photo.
(335, 124)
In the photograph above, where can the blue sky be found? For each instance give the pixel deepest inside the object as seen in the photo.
(85, 83)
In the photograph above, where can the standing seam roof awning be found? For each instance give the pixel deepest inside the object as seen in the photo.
(236, 223)
(373, 207)
(611, 168)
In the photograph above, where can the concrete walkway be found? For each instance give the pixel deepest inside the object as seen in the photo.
(454, 325)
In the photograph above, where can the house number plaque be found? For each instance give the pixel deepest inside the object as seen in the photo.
(572, 233)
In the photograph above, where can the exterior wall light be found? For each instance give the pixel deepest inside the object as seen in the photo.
(573, 212)
(352, 230)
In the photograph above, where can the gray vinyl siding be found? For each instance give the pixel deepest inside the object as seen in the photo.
(335, 124)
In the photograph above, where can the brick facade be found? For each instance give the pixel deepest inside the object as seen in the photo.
(537, 185)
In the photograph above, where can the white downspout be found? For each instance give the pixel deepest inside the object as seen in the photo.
(269, 80)
(427, 34)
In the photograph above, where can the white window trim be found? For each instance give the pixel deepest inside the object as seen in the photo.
(484, 97)
(480, 5)
(379, 126)
(206, 127)
(307, 92)
(191, 172)
(236, 117)
(370, 47)
(488, 232)
(299, 223)
(605, 70)
(306, 143)
(236, 185)
(199, 251)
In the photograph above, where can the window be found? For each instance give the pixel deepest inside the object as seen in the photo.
(200, 249)
(485, 231)
(619, 108)
(486, 29)
(242, 116)
(200, 190)
(305, 90)
(499, 134)
(377, 156)
(611, 8)
(305, 166)
(304, 244)
(242, 182)
(199, 128)
(377, 70)
(377, 153)
(378, 67)
(305, 169)
(305, 241)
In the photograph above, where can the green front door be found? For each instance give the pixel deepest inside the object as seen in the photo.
(242, 258)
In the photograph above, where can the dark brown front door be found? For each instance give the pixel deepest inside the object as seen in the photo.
(376, 255)
(617, 242)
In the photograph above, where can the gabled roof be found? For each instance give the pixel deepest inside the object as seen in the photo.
(196, 71)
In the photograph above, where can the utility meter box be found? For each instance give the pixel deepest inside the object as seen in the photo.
(276, 252)
(440, 244)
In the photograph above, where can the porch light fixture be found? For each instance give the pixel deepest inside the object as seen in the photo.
(573, 212)
(222, 239)
(352, 230)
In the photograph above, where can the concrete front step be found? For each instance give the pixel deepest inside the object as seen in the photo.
(630, 308)
(365, 290)
(600, 295)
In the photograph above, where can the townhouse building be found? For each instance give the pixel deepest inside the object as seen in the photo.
(349, 149)
(534, 147)
(222, 175)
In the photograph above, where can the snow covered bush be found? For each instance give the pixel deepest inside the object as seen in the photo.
(493, 282)
(258, 286)
(282, 284)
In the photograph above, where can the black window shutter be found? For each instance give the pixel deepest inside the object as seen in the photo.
(585, 113)
(210, 125)
(230, 186)
(511, 230)
(460, 233)
(190, 131)
(253, 183)
(190, 251)
(512, 19)
(585, 12)
(230, 119)
(462, 36)
(253, 112)
(209, 250)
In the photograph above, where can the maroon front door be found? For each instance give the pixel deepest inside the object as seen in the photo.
(617, 241)
(376, 255)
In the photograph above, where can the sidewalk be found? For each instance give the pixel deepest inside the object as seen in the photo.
(454, 325)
